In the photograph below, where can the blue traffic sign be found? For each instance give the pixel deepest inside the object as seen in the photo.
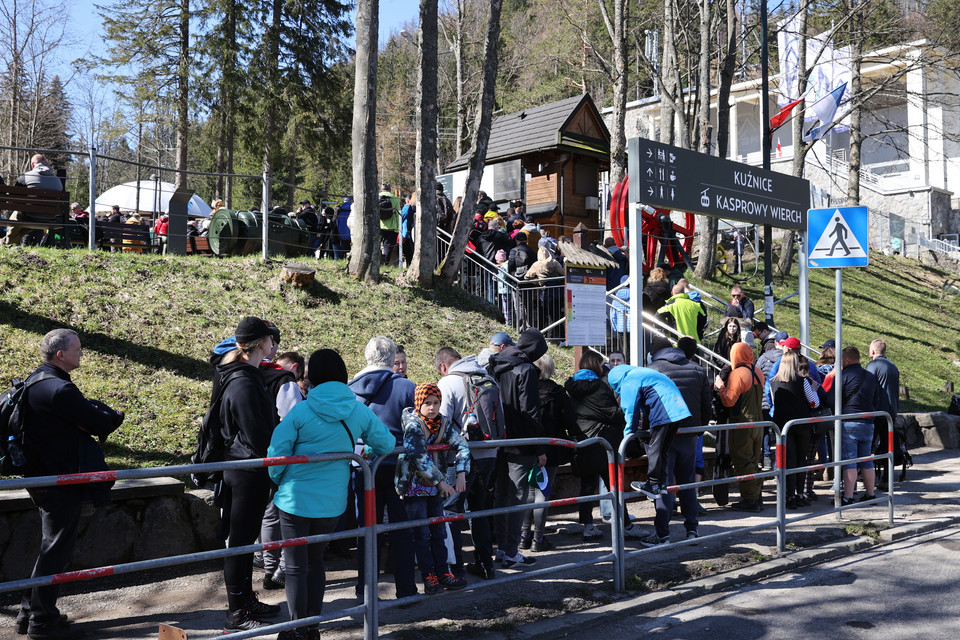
(837, 237)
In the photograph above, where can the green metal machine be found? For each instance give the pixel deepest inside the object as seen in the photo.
(237, 233)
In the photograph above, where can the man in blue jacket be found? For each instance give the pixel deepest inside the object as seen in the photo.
(387, 394)
(59, 429)
(650, 402)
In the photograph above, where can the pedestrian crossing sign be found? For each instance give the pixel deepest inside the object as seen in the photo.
(837, 237)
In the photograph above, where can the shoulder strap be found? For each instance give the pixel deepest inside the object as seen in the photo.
(753, 372)
(350, 437)
(846, 398)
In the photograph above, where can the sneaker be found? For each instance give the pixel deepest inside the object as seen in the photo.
(844, 501)
(58, 631)
(258, 560)
(498, 556)
(431, 585)
(540, 545)
(750, 506)
(693, 535)
(276, 581)
(653, 540)
(591, 532)
(257, 609)
(451, 583)
(811, 496)
(485, 571)
(241, 620)
(526, 540)
(649, 488)
(23, 623)
(633, 532)
(866, 498)
(701, 510)
(519, 561)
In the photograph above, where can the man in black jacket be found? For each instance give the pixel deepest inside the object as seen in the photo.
(59, 429)
(861, 393)
(694, 386)
(517, 376)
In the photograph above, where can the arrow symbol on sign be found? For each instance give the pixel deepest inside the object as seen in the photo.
(649, 172)
(649, 153)
(650, 191)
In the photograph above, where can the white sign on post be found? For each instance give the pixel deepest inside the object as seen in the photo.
(586, 298)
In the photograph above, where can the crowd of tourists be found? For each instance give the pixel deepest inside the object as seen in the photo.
(267, 403)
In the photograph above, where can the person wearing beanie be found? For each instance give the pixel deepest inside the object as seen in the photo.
(503, 286)
(421, 482)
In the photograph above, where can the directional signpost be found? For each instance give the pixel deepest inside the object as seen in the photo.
(839, 239)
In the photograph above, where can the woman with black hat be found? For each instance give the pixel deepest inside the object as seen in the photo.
(247, 415)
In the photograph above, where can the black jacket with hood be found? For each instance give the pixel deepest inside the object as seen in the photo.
(518, 378)
(246, 411)
(691, 379)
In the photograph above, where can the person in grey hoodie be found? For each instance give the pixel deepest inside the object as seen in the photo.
(40, 176)
(455, 405)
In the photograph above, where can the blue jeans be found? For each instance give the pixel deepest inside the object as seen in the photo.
(856, 441)
(428, 538)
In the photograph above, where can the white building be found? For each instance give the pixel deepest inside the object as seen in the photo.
(910, 159)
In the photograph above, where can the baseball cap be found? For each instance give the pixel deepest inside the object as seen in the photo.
(500, 338)
(252, 328)
(829, 344)
(791, 343)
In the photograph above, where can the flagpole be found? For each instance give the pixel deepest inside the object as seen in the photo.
(765, 146)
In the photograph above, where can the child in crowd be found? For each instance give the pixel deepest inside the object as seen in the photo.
(420, 482)
(503, 290)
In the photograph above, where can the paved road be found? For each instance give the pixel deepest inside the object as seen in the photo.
(903, 590)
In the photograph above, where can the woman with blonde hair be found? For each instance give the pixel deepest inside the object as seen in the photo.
(791, 398)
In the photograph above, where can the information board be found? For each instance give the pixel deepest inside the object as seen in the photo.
(586, 301)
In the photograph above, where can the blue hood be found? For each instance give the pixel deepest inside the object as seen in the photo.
(695, 296)
(648, 396)
(332, 401)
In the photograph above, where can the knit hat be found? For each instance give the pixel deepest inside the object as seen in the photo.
(423, 391)
(501, 255)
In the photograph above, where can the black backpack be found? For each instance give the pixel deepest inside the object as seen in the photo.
(11, 420)
(385, 208)
(211, 445)
(901, 457)
(483, 401)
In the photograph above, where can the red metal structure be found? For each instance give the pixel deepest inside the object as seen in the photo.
(663, 236)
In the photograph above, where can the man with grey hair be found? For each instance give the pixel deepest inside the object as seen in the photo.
(59, 428)
(387, 394)
(40, 176)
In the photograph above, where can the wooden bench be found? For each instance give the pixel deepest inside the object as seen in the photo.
(45, 208)
(199, 245)
(129, 237)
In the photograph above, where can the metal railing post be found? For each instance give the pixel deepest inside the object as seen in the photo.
(92, 192)
(614, 483)
(265, 223)
(781, 464)
(371, 616)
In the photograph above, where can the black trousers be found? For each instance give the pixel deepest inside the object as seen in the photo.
(249, 493)
(304, 569)
(59, 517)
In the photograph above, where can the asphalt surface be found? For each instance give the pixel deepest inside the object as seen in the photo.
(572, 603)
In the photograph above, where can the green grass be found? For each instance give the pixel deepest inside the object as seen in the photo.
(148, 323)
(910, 305)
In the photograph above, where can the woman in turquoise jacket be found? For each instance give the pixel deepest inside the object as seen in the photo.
(312, 496)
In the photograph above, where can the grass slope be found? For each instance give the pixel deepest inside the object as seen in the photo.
(913, 306)
(148, 323)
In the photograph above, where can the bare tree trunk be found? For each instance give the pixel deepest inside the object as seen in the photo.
(425, 234)
(618, 138)
(726, 80)
(668, 65)
(478, 153)
(183, 95)
(458, 52)
(856, 137)
(707, 245)
(364, 228)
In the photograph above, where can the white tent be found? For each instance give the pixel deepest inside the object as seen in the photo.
(125, 196)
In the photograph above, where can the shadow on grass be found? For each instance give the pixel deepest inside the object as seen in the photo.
(108, 345)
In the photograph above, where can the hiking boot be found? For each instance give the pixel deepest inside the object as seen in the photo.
(519, 561)
(540, 545)
(241, 620)
(811, 496)
(23, 623)
(633, 532)
(526, 540)
(591, 532)
(431, 585)
(59, 630)
(485, 571)
(650, 489)
(750, 506)
(258, 609)
(277, 580)
(653, 540)
(451, 582)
